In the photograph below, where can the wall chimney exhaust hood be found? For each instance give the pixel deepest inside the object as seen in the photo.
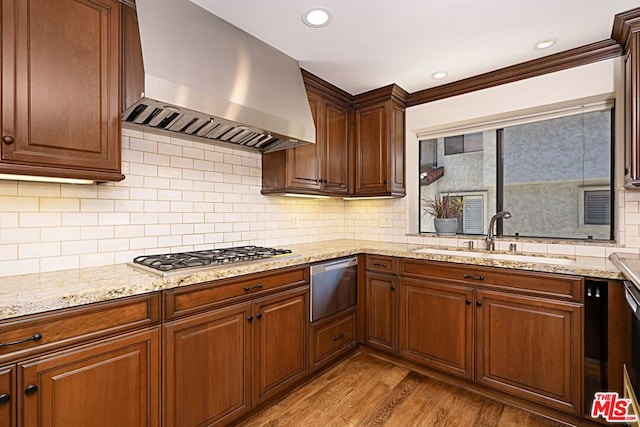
(207, 79)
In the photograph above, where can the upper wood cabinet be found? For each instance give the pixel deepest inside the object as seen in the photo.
(359, 149)
(626, 31)
(60, 75)
(379, 143)
(320, 168)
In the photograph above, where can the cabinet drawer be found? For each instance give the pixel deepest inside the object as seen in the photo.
(192, 299)
(72, 325)
(382, 264)
(333, 337)
(534, 283)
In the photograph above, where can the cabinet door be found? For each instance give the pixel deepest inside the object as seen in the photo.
(531, 347)
(114, 382)
(281, 325)
(332, 338)
(302, 162)
(60, 88)
(7, 396)
(207, 367)
(382, 306)
(372, 150)
(436, 325)
(335, 159)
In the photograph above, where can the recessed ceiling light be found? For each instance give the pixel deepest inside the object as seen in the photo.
(439, 75)
(545, 44)
(317, 17)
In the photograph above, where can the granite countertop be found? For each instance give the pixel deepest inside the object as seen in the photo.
(629, 265)
(37, 293)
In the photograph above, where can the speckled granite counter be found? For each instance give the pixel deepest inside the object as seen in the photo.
(36, 293)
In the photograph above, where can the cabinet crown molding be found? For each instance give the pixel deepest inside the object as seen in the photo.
(624, 24)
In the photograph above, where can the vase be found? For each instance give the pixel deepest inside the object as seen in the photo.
(446, 226)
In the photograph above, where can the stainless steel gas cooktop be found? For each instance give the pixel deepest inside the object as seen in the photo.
(186, 262)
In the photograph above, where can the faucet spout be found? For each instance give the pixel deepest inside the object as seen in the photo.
(490, 239)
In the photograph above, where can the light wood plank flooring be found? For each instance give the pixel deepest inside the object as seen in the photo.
(366, 391)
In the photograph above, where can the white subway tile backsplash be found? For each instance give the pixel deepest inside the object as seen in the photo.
(80, 247)
(40, 219)
(60, 263)
(117, 218)
(38, 250)
(8, 252)
(8, 188)
(60, 234)
(145, 145)
(19, 204)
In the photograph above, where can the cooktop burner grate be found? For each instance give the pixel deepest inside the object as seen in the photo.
(207, 257)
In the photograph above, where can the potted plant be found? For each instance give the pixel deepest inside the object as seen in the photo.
(446, 212)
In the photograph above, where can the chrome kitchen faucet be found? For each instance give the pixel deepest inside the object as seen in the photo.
(490, 239)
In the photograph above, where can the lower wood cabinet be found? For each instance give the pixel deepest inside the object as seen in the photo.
(281, 337)
(7, 396)
(220, 364)
(436, 326)
(113, 382)
(531, 347)
(382, 308)
(332, 337)
(207, 367)
(520, 333)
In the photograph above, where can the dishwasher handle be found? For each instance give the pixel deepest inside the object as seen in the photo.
(333, 265)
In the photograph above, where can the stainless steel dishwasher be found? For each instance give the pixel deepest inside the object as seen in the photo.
(334, 286)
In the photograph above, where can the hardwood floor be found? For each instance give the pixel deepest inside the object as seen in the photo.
(366, 391)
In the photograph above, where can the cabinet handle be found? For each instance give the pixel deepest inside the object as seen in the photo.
(259, 316)
(4, 398)
(31, 389)
(479, 303)
(324, 181)
(376, 264)
(340, 335)
(8, 139)
(248, 288)
(384, 182)
(250, 318)
(469, 276)
(468, 302)
(393, 288)
(34, 337)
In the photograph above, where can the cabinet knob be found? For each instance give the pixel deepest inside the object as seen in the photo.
(479, 303)
(4, 398)
(8, 139)
(393, 288)
(250, 318)
(259, 316)
(468, 302)
(384, 182)
(324, 181)
(31, 389)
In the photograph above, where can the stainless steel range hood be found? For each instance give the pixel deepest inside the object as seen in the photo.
(207, 79)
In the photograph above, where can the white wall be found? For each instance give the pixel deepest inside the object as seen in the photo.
(178, 195)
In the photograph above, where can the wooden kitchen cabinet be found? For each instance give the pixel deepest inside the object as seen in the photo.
(208, 367)
(114, 382)
(379, 142)
(514, 331)
(281, 342)
(530, 347)
(60, 76)
(436, 325)
(8, 396)
(320, 168)
(332, 337)
(382, 308)
(234, 343)
(626, 31)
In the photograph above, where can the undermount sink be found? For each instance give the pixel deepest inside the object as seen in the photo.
(497, 256)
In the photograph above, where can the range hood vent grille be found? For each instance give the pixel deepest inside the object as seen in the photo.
(150, 115)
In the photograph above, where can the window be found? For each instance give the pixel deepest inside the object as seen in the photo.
(597, 207)
(463, 143)
(552, 171)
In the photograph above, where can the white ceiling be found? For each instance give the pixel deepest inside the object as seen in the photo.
(374, 43)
